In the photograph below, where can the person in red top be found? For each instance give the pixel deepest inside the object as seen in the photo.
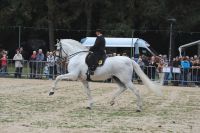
(4, 64)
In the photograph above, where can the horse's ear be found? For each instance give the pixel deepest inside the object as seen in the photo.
(58, 41)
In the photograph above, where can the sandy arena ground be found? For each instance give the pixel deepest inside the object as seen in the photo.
(25, 107)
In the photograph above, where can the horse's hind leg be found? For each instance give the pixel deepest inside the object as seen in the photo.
(60, 77)
(136, 92)
(87, 90)
(121, 89)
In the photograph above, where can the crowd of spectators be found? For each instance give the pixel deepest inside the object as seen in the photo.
(190, 70)
(180, 70)
(40, 64)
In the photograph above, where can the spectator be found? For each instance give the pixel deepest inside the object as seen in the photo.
(196, 71)
(4, 65)
(114, 54)
(176, 76)
(161, 64)
(47, 54)
(185, 65)
(21, 51)
(146, 63)
(195, 57)
(151, 70)
(167, 71)
(141, 64)
(39, 63)
(124, 54)
(46, 71)
(58, 65)
(32, 65)
(55, 63)
(51, 63)
(18, 64)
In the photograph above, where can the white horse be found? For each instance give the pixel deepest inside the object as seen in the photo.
(119, 67)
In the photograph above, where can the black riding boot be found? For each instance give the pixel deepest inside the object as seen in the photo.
(90, 71)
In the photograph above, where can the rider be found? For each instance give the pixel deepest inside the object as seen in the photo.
(97, 52)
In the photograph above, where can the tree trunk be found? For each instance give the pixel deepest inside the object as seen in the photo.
(51, 7)
(51, 35)
(88, 11)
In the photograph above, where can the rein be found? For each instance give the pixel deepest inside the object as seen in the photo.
(68, 56)
(74, 54)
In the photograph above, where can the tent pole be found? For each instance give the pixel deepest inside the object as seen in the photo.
(132, 54)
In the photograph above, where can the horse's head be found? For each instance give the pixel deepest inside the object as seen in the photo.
(67, 47)
(58, 48)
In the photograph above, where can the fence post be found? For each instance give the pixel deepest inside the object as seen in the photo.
(19, 43)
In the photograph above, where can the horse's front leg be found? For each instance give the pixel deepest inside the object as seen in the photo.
(69, 76)
(87, 90)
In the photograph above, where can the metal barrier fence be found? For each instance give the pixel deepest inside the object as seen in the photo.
(172, 76)
(49, 70)
(32, 69)
(182, 76)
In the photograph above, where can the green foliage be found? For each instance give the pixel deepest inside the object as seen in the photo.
(134, 14)
(120, 16)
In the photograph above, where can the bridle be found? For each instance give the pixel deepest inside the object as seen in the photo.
(68, 56)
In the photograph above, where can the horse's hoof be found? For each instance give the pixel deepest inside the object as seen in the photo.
(51, 93)
(89, 108)
(112, 103)
(138, 110)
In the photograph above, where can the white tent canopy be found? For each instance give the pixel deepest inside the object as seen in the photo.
(117, 42)
(188, 45)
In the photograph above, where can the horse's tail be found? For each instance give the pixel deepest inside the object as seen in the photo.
(147, 82)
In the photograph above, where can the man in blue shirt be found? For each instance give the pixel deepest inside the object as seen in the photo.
(39, 62)
(185, 65)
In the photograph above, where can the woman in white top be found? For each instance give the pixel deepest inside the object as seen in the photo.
(51, 64)
(18, 64)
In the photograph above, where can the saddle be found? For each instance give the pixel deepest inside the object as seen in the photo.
(94, 60)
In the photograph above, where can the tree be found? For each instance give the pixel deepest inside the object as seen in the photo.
(51, 9)
(116, 17)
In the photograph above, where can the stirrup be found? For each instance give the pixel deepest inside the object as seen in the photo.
(91, 72)
(88, 75)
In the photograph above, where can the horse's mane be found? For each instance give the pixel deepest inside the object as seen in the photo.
(75, 44)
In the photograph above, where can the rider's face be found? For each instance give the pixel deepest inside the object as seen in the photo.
(97, 33)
